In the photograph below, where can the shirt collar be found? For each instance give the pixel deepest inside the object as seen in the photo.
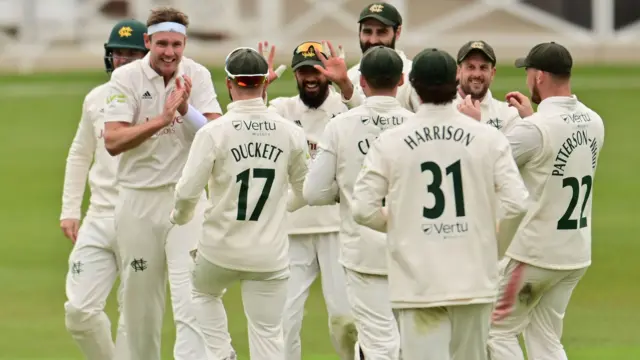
(486, 100)
(381, 102)
(322, 107)
(256, 104)
(152, 74)
(425, 109)
(566, 102)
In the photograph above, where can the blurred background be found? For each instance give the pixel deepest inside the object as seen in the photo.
(51, 56)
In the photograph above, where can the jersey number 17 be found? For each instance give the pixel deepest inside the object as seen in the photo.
(244, 179)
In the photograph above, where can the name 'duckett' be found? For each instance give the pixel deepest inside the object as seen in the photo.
(256, 150)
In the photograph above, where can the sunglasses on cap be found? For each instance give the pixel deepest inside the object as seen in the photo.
(245, 80)
(308, 49)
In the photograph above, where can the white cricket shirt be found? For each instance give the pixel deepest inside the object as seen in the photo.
(137, 94)
(345, 143)
(88, 157)
(406, 95)
(249, 157)
(557, 149)
(494, 112)
(316, 219)
(442, 175)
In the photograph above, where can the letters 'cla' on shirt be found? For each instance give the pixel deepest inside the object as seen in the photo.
(311, 219)
(441, 175)
(560, 176)
(249, 156)
(137, 94)
(347, 140)
(88, 157)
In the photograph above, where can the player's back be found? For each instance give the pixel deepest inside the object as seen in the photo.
(351, 135)
(256, 151)
(556, 232)
(442, 205)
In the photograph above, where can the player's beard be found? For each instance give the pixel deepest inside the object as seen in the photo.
(316, 99)
(476, 94)
(535, 95)
(365, 46)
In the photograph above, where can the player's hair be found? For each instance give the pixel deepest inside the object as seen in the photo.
(383, 82)
(561, 77)
(435, 94)
(167, 14)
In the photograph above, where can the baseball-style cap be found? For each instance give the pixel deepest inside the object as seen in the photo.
(247, 67)
(381, 62)
(479, 46)
(550, 57)
(383, 12)
(433, 67)
(305, 55)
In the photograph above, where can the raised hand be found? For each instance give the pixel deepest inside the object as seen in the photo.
(172, 103)
(184, 86)
(333, 67)
(470, 108)
(270, 56)
(520, 102)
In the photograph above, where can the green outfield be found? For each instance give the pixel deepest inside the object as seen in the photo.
(41, 113)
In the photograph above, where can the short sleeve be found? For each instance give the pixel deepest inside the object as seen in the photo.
(203, 93)
(121, 102)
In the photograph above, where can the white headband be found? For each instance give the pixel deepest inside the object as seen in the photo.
(167, 26)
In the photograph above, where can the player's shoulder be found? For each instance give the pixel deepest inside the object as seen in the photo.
(192, 67)
(280, 104)
(592, 113)
(127, 71)
(98, 93)
(333, 103)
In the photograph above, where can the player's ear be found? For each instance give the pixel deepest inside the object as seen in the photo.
(458, 69)
(228, 82)
(147, 41)
(363, 82)
(398, 31)
(401, 82)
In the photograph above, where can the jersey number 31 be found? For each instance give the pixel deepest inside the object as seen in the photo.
(244, 178)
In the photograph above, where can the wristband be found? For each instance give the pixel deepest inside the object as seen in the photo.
(195, 118)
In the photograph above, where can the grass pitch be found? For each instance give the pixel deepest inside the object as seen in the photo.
(41, 113)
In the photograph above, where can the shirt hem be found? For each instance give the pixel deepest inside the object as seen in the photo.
(485, 298)
(311, 231)
(362, 270)
(236, 267)
(542, 265)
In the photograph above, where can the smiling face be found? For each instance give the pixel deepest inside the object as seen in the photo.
(476, 74)
(373, 32)
(166, 50)
(313, 87)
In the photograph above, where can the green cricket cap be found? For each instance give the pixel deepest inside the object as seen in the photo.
(550, 57)
(246, 61)
(383, 12)
(478, 46)
(306, 54)
(381, 62)
(127, 34)
(433, 67)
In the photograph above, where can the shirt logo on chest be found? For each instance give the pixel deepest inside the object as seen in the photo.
(146, 95)
(496, 123)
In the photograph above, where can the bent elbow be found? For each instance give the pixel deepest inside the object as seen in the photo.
(358, 214)
(111, 144)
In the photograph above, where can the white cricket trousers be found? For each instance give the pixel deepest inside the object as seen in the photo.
(378, 336)
(457, 332)
(263, 296)
(93, 268)
(149, 247)
(531, 301)
(312, 255)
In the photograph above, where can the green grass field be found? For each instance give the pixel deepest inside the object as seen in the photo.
(41, 116)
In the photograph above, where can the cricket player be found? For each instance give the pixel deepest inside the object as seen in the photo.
(248, 157)
(313, 232)
(557, 149)
(440, 175)
(345, 143)
(153, 137)
(94, 260)
(381, 24)
(476, 71)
